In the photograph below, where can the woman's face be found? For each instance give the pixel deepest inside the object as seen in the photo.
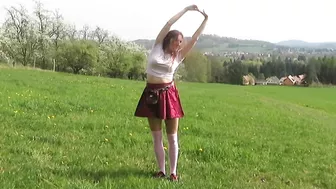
(175, 44)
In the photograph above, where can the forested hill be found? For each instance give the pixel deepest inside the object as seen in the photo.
(220, 45)
(299, 43)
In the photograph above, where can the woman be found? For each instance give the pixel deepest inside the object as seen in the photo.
(160, 99)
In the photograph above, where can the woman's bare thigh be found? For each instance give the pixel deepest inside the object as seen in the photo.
(172, 125)
(155, 124)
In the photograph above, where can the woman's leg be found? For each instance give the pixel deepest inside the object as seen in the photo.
(155, 126)
(171, 129)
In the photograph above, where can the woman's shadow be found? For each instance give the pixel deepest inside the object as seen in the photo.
(97, 175)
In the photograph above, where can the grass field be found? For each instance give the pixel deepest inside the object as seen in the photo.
(65, 131)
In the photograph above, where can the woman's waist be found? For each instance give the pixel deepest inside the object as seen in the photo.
(151, 79)
(158, 82)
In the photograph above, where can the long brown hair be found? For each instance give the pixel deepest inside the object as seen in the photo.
(173, 34)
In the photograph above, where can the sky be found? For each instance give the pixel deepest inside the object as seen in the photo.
(268, 20)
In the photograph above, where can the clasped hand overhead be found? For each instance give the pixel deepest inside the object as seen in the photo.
(195, 8)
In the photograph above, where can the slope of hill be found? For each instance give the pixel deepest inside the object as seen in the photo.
(76, 131)
(304, 44)
(221, 45)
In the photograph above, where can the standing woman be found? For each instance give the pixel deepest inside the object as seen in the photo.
(160, 99)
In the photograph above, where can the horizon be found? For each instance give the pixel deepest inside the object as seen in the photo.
(318, 42)
(245, 20)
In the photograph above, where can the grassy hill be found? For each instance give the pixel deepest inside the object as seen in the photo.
(217, 44)
(68, 131)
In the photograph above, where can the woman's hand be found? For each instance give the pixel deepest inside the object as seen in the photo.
(192, 8)
(204, 14)
(195, 8)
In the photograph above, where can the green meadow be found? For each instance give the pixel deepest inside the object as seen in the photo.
(62, 130)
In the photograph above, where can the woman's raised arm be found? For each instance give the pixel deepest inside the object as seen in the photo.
(190, 44)
(170, 22)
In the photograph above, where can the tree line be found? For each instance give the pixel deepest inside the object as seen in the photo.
(42, 39)
(231, 70)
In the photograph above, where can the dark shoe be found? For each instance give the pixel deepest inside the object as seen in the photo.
(173, 177)
(160, 174)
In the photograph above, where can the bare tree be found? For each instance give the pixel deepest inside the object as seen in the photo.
(100, 35)
(19, 37)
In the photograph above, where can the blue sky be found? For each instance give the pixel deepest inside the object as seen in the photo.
(269, 20)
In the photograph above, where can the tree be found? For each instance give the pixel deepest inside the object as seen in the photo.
(236, 71)
(217, 70)
(19, 39)
(137, 65)
(311, 71)
(78, 55)
(44, 28)
(196, 65)
(58, 35)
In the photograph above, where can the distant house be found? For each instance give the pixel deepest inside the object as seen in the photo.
(302, 76)
(261, 82)
(302, 79)
(282, 80)
(289, 80)
(248, 80)
(294, 80)
(268, 81)
(274, 80)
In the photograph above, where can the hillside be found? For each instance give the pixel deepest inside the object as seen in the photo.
(221, 45)
(73, 131)
(299, 43)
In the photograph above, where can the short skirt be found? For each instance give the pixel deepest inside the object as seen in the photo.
(161, 101)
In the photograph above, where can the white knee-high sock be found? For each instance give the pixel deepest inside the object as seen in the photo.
(158, 149)
(173, 152)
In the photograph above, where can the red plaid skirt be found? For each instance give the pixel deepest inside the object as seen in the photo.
(168, 104)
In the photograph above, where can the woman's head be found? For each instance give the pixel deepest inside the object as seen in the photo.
(173, 41)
